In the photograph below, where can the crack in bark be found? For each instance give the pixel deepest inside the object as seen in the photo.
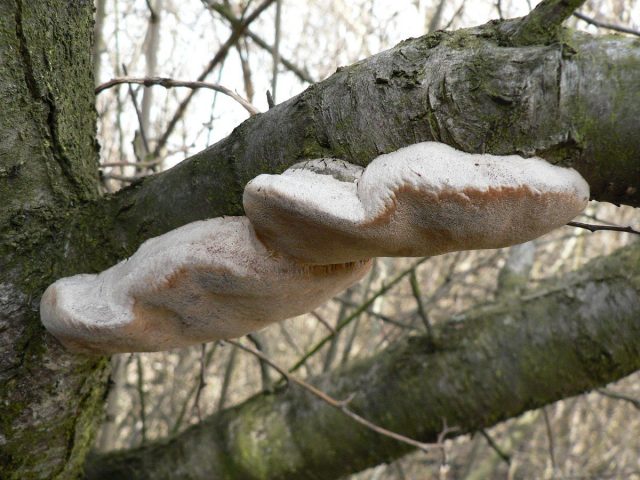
(56, 148)
(30, 80)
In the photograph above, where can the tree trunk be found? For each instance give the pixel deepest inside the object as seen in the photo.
(494, 362)
(49, 400)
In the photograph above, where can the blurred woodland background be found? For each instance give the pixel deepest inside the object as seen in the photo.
(287, 47)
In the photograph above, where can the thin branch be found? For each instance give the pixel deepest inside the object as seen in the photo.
(342, 405)
(177, 423)
(134, 100)
(434, 23)
(120, 178)
(150, 163)
(613, 228)
(267, 381)
(275, 53)
(171, 83)
(417, 294)
(228, 373)
(547, 424)
(201, 380)
(380, 316)
(141, 397)
(619, 396)
(228, 15)
(608, 26)
(152, 12)
(499, 9)
(237, 32)
(363, 307)
(444, 463)
(323, 321)
(454, 16)
(504, 456)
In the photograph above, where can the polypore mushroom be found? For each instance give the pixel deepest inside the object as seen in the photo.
(316, 227)
(425, 199)
(204, 281)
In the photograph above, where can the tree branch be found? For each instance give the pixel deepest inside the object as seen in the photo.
(229, 16)
(543, 23)
(581, 332)
(538, 100)
(608, 26)
(170, 83)
(236, 33)
(343, 405)
(612, 228)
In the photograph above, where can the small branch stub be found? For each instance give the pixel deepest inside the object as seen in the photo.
(542, 24)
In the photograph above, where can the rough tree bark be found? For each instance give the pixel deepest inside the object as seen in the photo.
(572, 99)
(50, 400)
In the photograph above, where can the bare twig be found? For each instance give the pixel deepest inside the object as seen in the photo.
(201, 381)
(238, 31)
(231, 363)
(342, 405)
(593, 228)
(261, 346)
(547, 423)
(363, 307)
(150, 163)
(608, 26)
(436, 18)
(415, 289)
(152, 12)
(275, 53)
(504, 456)
(141, 397)
(442, 436)
(177, 423)
(120, 178)
(171, 83)
(380, 316)
(499, 8)
(454, 16)
(227, 14)
(323, 321)
(134, 100)
(619, 396)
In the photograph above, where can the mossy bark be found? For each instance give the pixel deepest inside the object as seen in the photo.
(495, 362)
(50, 401)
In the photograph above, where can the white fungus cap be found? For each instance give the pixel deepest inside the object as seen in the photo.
(205, 281)
(425, 199)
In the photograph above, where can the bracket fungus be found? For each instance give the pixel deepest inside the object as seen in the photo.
(422, 200)
(308, 234)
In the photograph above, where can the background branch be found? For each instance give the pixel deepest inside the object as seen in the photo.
(481, 370)
(171, 83)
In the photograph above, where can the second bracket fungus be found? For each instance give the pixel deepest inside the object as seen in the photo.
(425, 199)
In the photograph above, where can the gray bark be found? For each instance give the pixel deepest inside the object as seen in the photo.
(50, 401)
(495, 362)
